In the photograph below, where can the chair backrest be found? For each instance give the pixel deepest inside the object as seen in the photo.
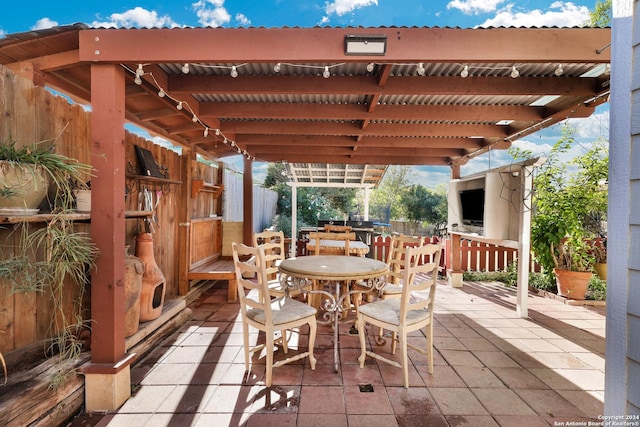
(331, 228)
(318, 236)
(396, 254)
(419, 276)
(272, 243)
(253, 290)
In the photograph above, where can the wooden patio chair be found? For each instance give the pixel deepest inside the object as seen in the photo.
(411, 312)
(269, 315)
(316, 237)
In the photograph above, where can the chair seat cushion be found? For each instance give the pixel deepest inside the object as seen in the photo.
(284, 310)
(390, 289)
(388, 311)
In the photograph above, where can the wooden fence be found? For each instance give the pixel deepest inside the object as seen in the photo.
(475, 256)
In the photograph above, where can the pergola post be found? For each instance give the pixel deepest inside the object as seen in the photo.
(294, 220)
(524, 242)
(107, 376)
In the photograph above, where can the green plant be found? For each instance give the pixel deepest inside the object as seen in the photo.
(597, 289)
(65, 173)
(55, 258)
(570, 205)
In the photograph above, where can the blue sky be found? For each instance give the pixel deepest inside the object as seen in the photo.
(20, 16)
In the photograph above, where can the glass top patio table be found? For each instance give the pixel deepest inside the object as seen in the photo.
(335, 270)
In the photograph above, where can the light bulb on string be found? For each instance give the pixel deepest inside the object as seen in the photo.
(185, 68)
(465, 72)
(139, 70)
(217, 131)
(206, 132)
(559, 71)
(420, 69)
(326, 73)
(161, 93)
(234, 72)
(179, 106)
(370, 67)
(137, 80)
(194, 119)
(514, 72)
(276, 68)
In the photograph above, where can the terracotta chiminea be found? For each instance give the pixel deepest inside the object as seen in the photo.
(153, 281)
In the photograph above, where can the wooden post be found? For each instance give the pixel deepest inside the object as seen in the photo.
(247, 198)
(107, 376)
(184, 221)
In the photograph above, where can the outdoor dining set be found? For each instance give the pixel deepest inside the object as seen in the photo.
(280, 295)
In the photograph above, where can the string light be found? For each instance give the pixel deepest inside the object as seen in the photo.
(185, 68)
(514, 72)
(370, 67)
(559, 71)
(276, 68)
(420, 69)
(181, 105)
(465, 72)
(234, 72)
(326, 73)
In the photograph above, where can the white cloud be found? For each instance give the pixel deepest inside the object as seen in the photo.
(44, 23)
(559, 14)
(211, 13)
(136, 18)
(343, 7)
(474, 7)
(243, 20)
(2, 33)
(596, 126)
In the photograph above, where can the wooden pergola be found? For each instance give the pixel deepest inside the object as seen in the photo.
(413, 96)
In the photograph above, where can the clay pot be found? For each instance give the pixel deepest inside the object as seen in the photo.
(572, 284)
(27, 184)
(153, 281)
(133, 271)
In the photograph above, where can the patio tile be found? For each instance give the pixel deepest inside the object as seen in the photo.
(457, 401)
(411, 420)
(521, 420)
(333, 420)
(443, 376)
(358, 420)
(471, 421)
(518, 378)
(479, 343)
(480, 377)
(321, 400)
(275, 399)
(376, 402)
(495, 359)
(502, 401)
(590, 403)
(354, 375)
(230, 398)
(460, 358)
(221, 419)
(271, 420)
(413, 400)
(392, 375)
(570, 379)
(322, 375)
(147, 399)
(549, 403)
(187, 399)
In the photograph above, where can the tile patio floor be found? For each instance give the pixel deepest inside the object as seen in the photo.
(492, 368)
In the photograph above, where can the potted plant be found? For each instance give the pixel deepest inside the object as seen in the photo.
(55, 257)
(568, 211)
(27, 171)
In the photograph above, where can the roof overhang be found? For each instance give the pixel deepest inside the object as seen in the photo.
(437, 96)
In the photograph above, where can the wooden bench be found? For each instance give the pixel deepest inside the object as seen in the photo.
(206, 262)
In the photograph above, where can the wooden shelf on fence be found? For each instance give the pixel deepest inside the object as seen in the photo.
(80, 216)
(153, 179)
(198, 185)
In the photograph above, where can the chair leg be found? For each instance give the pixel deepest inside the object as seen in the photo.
(394, 342)
(285, 346)
(363, 344)
(405, 357)
(245, 339)
(429, 334)
(313, 327)
(269, 363)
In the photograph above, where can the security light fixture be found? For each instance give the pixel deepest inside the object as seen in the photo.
(360, 44)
